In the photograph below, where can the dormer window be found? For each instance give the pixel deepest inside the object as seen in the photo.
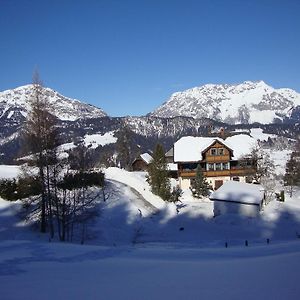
(213, 151)
(217, 151)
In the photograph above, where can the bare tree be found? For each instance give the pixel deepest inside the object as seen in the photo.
(263, 164)
(67, 197)
(263, 170)
(41, 139)
(80, 192)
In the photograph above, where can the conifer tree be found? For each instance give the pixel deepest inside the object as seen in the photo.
(292, 175)
(200, 186)
(158, 174)
(123, 146)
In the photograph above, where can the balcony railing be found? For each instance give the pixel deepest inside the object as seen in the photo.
(217, 158)
(232, 172)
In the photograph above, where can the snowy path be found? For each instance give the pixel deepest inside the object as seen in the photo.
(135, 180)
(139, 201)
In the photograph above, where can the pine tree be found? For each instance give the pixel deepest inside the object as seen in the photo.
(292, 175)
(158, 174)
(123, 146)
(200, 186)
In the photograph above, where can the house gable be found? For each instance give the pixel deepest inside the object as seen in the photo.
(190, 149)
(141, 163)
(217, 151)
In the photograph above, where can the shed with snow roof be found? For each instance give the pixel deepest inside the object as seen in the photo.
(240, 198)
(141, 163)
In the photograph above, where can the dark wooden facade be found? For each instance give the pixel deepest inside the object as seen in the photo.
(216, 161)
(139, 165)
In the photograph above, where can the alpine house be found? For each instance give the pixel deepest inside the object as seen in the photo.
(221, 160)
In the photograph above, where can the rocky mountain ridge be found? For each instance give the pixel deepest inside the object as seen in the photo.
(15, 104)
(244, 103)
(76, 119)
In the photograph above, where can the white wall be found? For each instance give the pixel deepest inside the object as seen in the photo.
(247, 210)
(184, 183)
(211, 180)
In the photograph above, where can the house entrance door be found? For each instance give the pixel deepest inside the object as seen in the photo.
(218, 183)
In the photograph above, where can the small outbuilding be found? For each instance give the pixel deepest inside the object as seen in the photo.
(141, 163)
(238, 198)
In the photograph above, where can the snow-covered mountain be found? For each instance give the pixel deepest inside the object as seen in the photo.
(167, 127)
(244, 103)
(77, 120)
(15, 104)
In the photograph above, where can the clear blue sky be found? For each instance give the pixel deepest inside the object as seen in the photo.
(127, 57)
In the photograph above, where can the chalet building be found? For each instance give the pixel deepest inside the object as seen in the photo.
(216, 158)
(141, 163)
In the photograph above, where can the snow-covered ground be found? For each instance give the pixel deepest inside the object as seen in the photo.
(9, 172)
(143, 248)
(92, 140)
(38, 271)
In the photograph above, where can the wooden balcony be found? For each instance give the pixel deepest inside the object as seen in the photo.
(232, 172)
(217, 158)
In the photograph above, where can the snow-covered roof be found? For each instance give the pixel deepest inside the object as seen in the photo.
(190, 148)
(170, 152)
(241, 144)
(240, 192)
(172, 167)
(146, 157)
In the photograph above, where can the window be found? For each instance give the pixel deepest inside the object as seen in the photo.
(221, 151)
(210, 167)
(225, 166)
(218, 166)
(189, 167)
(213, 151)
(217, 151)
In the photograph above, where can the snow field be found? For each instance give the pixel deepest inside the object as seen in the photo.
(94, 140)
(31, 270)
(143, 248)
(192, 221)
(9, 172)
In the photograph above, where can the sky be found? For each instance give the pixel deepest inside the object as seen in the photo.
(128, 56)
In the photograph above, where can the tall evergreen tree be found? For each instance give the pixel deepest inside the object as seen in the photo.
(200, 186)
(123, 146)
(292, 174)
(158, 174)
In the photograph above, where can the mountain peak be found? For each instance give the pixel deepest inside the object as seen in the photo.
(247, 102)
(65, 108)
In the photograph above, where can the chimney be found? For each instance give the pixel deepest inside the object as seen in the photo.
(222, 133)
